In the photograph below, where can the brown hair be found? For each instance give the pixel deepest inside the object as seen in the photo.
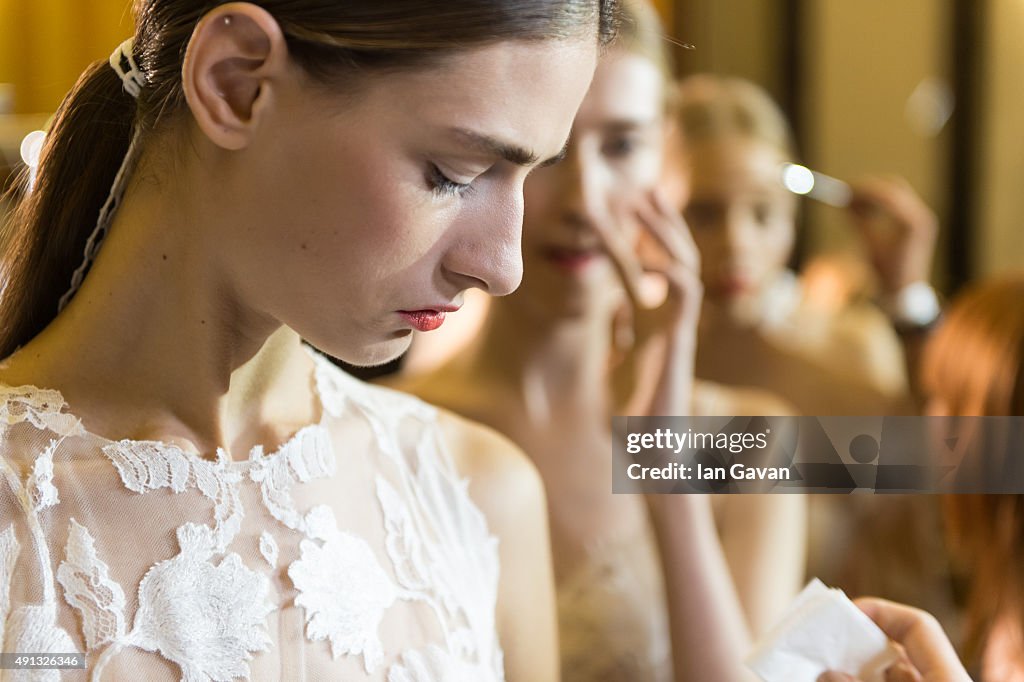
(713, 107)
(45, 236)
(974, 365)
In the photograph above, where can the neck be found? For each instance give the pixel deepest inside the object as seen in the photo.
(548, 360)
(156, 343)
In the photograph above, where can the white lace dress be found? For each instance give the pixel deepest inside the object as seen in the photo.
(161, 565)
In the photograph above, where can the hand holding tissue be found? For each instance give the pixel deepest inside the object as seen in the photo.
(823, 630)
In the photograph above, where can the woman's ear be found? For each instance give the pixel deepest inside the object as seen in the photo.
(234, 62)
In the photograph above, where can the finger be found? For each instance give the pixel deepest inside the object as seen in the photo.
(681, 266)
(684, 231)
(669, 230)
(669, 237)
(621, 253)
(623, 334)
(684, 298)
(882, 193)
(894, 197)
(833, 676)
(921, 636)
(902, 672)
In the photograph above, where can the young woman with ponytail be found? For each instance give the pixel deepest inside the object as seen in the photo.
(183, 493)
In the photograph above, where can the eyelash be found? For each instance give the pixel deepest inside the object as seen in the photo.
(444, 186)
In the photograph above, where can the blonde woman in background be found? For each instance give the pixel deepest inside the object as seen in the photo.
(641, 584)
(760, 326)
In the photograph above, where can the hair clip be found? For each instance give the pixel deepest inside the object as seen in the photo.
(122, 61)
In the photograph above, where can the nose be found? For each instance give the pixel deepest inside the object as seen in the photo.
(583, 193)
(739, 237)
(488, 253)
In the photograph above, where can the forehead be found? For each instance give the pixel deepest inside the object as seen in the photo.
(521, 91)
(626, 87)
(732, 166)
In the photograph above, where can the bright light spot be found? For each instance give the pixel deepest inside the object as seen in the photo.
(32, 148)
(797, 179)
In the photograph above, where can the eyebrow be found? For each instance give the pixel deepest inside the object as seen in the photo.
(512, 153)
(628, 124)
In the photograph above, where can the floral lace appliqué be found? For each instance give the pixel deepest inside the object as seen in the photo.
(207, 618)
(343, 589)
(305, 457)
(202, 608)
(41, 408)
(436, 665)
(268, 549)
(89, 588)
(145, 466)
(9, 550)
(34, 628)
(41, 490)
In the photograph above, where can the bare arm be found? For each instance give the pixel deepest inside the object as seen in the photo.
(508, 490)
(764, 538)
(709, 634)
(899, 231)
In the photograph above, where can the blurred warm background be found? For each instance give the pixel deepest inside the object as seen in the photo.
(926, 89)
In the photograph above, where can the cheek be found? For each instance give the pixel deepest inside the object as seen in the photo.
(675, 186)
(777, 242)
(712, 242)
(539, 199)
(359, 205)
(646, 169)
(702, 240)
(365, 220)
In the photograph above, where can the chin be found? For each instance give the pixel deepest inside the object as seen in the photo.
(373, 353)
(744, 310)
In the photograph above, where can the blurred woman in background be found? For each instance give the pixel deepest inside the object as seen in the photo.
(758, 326)
(640, 583)
(974, 366)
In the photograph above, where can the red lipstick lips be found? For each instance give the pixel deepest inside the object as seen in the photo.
(428, 319)
(572, 259)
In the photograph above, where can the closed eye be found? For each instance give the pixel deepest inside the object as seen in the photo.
(444, 186)
(621, 146)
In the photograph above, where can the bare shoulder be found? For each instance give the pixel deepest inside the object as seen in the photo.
(872, 343)
(503, 481)
(508, 490)
(863, 323)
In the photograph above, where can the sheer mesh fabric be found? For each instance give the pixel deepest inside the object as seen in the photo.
(612, 620)
(353, 552)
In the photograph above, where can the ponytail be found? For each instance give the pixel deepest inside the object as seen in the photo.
(46, 234)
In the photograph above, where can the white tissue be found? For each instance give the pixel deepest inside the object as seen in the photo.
(822, 630)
